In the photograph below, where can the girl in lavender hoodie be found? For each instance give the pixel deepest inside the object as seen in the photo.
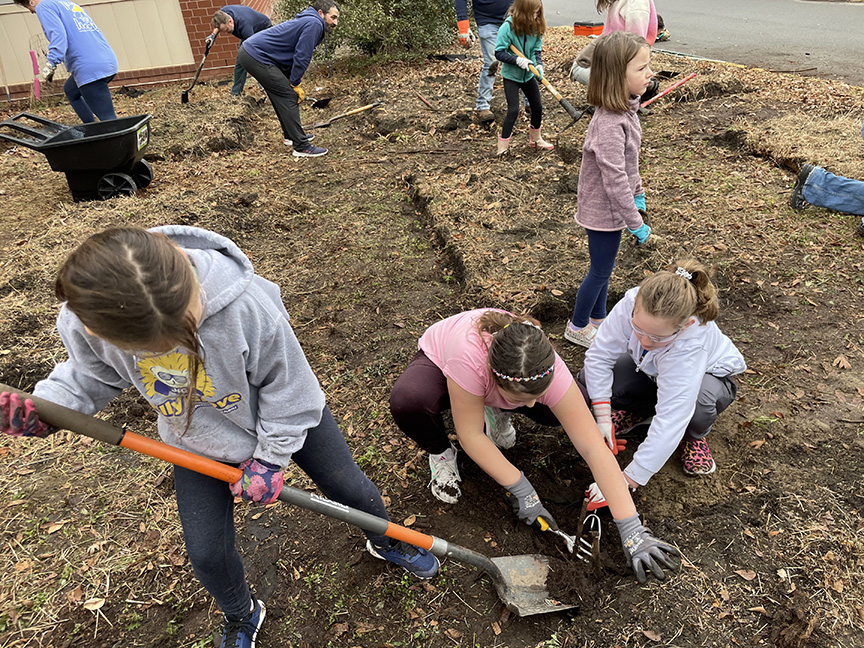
(610, 189)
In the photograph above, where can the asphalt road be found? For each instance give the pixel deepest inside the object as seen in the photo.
(824, 39)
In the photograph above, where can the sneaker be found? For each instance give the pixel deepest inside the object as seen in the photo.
(797, 198)
(445, 476)
(663, 35)
(309, 138)
(310, 151)
(412, 559)
(583, 337)
(697, 458)
(499, 428)
(861, 227)
(242, 634)
(485, 116)
(626, 422)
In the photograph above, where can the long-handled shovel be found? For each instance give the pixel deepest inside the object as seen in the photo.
(327, 122)
(575, 114)
(184, 97)
(519, 580)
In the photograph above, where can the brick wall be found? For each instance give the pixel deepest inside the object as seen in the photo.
(196, 15)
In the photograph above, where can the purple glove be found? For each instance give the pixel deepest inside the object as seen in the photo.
(261, 482)
(21, 419)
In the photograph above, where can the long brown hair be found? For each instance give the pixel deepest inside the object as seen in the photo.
(669, 294)
(133, 288)
(607, 85)
(522, 16)
(518, 349)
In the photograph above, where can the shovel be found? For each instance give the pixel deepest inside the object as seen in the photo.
(321, 102)
(519, 580)
(184, 97)
(327, 122)
(575, 114)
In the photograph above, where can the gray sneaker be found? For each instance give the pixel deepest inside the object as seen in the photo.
(310, 151)
(445, 477)
(583, 337)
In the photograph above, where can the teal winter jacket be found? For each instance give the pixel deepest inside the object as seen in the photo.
(530, 45)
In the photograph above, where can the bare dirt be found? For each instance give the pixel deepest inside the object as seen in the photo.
(411, 218)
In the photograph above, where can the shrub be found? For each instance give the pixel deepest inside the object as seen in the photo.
(395, 27)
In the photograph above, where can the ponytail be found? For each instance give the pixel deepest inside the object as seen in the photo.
(680, 291)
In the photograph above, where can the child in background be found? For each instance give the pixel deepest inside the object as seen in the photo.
(635, 16)
(179, 313)
(660, 353)
(610, 189)
(523, 28)
(484, 365)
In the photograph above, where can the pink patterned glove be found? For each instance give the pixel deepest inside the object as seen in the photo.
(261, 482)
(21, 419)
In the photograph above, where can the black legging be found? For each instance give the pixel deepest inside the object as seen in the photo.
(532, 94)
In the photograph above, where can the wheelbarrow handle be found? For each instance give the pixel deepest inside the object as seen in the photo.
(39, 134)
(68, 419)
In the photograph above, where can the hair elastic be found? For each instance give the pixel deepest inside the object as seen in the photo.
(523, 379)
(681, 272)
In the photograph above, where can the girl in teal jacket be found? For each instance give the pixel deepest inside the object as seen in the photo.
(523, 28)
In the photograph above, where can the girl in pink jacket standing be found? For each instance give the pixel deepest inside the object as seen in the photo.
(610, 189)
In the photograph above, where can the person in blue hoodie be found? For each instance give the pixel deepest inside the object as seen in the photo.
(278, 58)
(242, 22)
(179, 313)
(75, 40)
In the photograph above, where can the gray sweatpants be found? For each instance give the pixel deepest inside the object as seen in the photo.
(282, 96)
(635, 392)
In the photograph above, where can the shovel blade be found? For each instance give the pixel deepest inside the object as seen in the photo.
(184, 97)
(522, 585)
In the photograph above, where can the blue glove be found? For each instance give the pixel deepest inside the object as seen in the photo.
(640, 202)
(641, 233)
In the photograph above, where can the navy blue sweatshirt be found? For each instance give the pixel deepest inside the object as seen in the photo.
(288, 45)
(486, 12)
(247, 21)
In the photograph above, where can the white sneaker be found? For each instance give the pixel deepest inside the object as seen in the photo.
(499, 428)
(583, 337)
(445, 476)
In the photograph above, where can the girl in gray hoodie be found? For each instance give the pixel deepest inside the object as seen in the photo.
(179, 313)
(610, 189)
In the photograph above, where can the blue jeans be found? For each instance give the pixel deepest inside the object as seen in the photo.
(591, 296)
(206, 509)
(90, 98)
(487, 34)
(239, 79)
(824, 189)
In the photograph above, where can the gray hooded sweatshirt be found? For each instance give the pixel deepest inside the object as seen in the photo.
(258, 395)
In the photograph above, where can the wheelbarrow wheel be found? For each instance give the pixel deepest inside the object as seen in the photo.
(115, 184)
(142, 174)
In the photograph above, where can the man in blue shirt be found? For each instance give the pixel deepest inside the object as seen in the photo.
(278, 58)
(74, 39)
(242, 22)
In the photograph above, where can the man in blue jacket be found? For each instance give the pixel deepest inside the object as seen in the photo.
(278, 58)
(74, 39)
(489, 16)
(242, 22)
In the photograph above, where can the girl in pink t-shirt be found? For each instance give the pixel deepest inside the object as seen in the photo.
(484, 365)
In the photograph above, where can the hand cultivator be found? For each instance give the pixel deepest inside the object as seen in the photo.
(519, 580)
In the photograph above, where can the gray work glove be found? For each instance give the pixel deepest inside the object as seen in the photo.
(644, 550)
(526, 503)
(48, 72)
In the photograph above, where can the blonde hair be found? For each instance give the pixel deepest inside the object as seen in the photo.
(133, 288)
(518, 349)
(522, 16)
(607, 86)
(670, 295)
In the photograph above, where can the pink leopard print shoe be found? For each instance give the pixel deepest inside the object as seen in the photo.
(625, 421)
(697, 458)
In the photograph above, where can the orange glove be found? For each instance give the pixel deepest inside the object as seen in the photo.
(466, 36)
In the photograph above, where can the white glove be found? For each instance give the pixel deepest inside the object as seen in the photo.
(603, 416)
(48, 72)
(540, 70)
(522, 62)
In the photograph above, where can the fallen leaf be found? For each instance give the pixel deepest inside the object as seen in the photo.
(339, 629)
(557, 293)
(453, 633)
(842, 362)
(724, 594)
(757, 444)
(411, 519)
(496, 628)
(653, 636)
(759, 609)
(838, 587)
(75, 595)
(746, 574)
(782, 573)
(94, 604)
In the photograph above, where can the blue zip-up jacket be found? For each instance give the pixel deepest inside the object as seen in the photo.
(288, 45)
(247, 21)
(75, 40)
(486, 12)
(529, 44)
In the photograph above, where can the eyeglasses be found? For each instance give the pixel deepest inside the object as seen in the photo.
(659, 339)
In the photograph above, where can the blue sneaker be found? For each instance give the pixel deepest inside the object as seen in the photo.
(242, 634)
(310, 151)
(413, 559)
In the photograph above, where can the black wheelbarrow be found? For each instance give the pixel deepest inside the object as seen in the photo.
(101, 160)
